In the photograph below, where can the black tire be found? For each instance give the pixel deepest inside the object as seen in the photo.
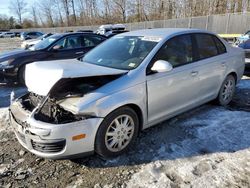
(21, 75)
(221, 99)
(100, 142)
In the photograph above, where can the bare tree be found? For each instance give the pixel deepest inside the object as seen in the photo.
(120, 6)
(34, 15)
(47, 9)
(19, 8)
(66, 9)
(73, 10)
(58, 7)
(94, 12)
(107, 10)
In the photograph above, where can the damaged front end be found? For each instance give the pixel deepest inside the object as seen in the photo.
(47, 108)
(47, 129)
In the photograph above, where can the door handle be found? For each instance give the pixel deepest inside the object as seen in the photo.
(194, 73)
(79, 52)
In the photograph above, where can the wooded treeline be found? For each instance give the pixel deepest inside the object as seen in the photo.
(54, 13)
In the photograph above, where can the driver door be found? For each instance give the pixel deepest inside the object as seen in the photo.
(69, 47)
(172, 92)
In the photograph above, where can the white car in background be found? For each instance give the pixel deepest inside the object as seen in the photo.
(7, 35)
(100, 102)
(103, 29)
(31, 42)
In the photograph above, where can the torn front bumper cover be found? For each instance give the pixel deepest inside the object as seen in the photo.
(54, 141)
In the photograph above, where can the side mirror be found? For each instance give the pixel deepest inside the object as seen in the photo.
(57, 47)
(161, 66)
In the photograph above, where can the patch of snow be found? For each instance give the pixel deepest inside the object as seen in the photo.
(244, 83)
(4, 117)
(203, 159)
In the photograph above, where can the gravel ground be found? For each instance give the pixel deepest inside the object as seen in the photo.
(7, 44)
(208, 146)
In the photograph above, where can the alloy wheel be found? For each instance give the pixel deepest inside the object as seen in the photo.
(228, 90)
(119, 133)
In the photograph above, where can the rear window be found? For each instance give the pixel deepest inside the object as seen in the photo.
(220, 46)
(206, 46)
(90, 41)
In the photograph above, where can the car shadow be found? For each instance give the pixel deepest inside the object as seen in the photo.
(204, 130)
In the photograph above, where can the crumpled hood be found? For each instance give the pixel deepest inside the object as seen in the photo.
(40, 77)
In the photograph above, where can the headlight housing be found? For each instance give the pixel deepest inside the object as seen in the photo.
(6, 64)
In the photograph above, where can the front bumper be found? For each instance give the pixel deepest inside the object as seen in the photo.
(53, 141)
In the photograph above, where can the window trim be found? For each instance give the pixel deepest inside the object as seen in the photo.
(212, 36)
(102, 39)
(215, 37)
(152, 61)
(61, 50)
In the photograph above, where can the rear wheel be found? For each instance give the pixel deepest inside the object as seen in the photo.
(117, 132)
(227, 91)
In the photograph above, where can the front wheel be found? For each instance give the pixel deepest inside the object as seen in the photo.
(117, 132)
(227, 91)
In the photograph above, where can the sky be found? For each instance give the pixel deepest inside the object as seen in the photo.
(4, 7)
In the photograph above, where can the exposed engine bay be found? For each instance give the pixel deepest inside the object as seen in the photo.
(48, 108)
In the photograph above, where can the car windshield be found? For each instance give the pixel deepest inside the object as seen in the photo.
(45, 43)
(121, 52)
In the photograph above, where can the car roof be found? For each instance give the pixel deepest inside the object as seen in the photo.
(76, 33)
(161, 32)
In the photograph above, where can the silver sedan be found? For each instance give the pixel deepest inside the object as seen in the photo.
(100, 102)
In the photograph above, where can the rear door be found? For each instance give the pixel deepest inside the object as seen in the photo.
(69, 47)
(74, 46)
(211, 65)
(91, 41)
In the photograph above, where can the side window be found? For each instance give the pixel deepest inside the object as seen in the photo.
(220, 46)
(90, 41)
(177, 51)
(206, 46)
(32, 34)
(70, 42)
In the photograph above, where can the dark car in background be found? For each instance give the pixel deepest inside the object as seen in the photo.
(55, 47)
(17, 34)
(246, 46)
(85, 31)
(31, 35)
